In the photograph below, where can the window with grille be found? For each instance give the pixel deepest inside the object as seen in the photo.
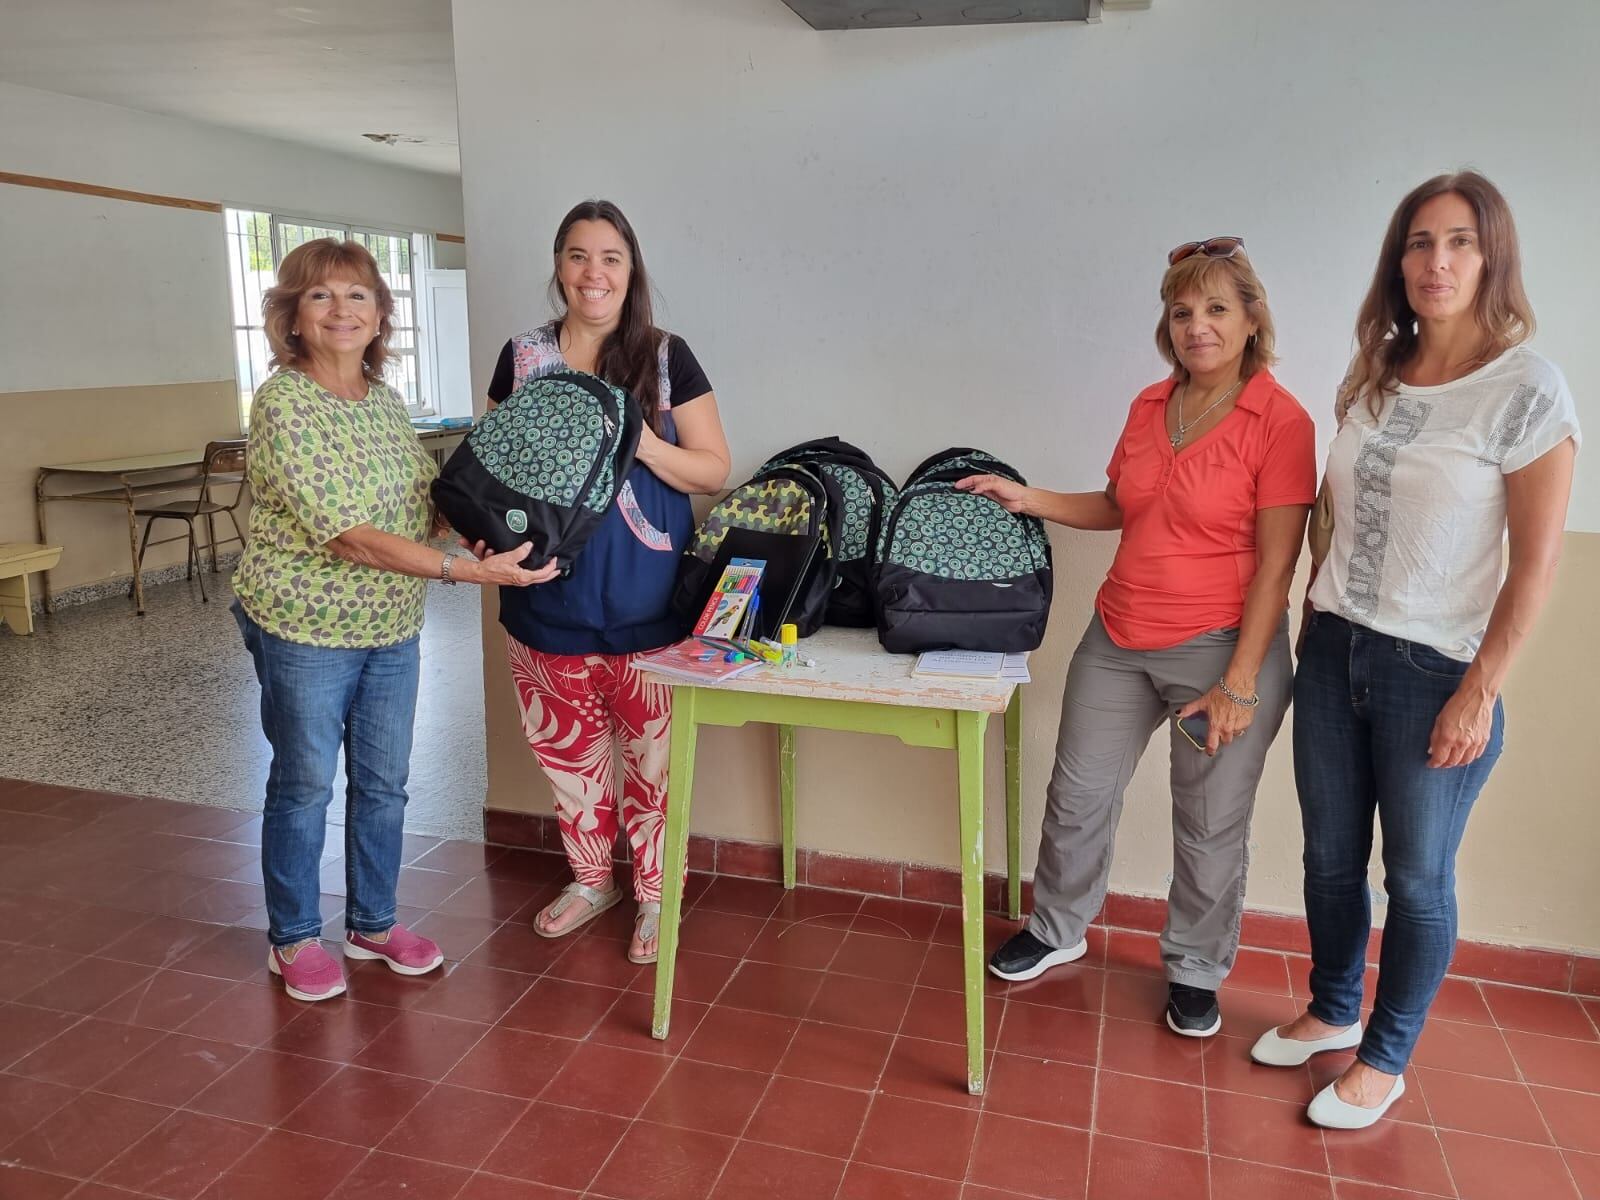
(256, 244)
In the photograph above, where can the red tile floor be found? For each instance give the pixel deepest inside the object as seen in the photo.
(815, 1050)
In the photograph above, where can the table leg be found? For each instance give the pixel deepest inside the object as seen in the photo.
(38, 517)
(786, 798)
(1014, 806)
(969, 755)
(675, 851)
(16, 605)
(133, 554)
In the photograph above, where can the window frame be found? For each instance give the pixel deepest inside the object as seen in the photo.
(239, 232)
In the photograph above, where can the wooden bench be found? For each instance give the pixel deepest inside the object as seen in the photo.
(17, 561)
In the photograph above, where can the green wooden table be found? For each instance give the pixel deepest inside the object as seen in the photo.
(856, 687)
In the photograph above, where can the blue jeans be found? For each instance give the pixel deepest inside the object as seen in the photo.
(1364, 706)
(315, 700)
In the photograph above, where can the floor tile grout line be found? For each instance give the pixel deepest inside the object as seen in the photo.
(214, 1180)
(877, 1093)
(1477, 981)
(1501, 1028)
(772, 1075)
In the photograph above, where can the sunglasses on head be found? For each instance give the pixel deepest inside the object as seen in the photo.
(1217, 247)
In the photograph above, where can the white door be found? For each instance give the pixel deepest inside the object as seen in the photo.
(449, 363)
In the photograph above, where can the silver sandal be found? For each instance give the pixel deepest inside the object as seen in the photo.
(597, 901)
(647, 927)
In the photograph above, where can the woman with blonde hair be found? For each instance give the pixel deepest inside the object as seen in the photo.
(1453, 433)
(329, 598)
(1210, 484)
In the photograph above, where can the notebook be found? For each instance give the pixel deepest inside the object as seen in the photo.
(959, 664)
(694, 662)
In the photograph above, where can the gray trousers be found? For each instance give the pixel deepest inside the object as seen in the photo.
(1114, 700)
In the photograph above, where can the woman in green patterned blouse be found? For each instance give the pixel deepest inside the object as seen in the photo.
(330, 598)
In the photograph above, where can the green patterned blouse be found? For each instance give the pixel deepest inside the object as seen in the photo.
(319, 466)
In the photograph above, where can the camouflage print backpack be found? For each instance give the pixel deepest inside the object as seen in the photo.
(867, 494)
(787, 516)
(542, 467)
(957, 571)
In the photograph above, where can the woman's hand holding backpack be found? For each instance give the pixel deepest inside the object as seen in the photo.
(504, 568)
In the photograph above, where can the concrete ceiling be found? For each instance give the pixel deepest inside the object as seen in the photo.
(321, 73)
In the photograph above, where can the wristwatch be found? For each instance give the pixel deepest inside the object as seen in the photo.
(444, 569)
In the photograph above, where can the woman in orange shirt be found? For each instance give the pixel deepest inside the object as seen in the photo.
(1210, 484)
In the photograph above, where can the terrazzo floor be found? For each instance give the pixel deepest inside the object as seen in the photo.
(167, 705)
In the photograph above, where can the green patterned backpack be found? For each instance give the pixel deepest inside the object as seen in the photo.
(787, 516)
(543, 467)
(867, 494)
(957, 571)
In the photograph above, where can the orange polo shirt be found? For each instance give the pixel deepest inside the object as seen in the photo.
(1188, 549)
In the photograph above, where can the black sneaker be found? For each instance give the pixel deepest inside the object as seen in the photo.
(1026, 957)
(1192, 1011)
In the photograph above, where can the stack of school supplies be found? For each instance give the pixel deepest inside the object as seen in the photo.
(734, 602)
(696, 662)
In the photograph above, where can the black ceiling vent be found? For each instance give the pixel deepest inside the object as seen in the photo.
(873, 14)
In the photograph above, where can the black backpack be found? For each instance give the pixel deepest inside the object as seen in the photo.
(542, 467)
(786, 515)
(867, 494)
(957, 571)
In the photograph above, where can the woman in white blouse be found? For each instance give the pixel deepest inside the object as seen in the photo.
(1452, 435)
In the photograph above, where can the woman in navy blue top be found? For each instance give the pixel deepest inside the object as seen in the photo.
(573, 641)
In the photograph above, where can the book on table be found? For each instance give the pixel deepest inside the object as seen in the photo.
(695, 662)
(959, 664)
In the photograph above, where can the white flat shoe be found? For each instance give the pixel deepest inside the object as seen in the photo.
(1274, 1050)
(1327, 1110)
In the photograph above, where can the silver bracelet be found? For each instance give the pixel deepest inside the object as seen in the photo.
(444, 570)
(1227, 691)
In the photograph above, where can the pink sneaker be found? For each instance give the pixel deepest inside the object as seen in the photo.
(311, 975)
(406, 953)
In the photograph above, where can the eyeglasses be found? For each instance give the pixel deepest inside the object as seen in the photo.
(1217, 247)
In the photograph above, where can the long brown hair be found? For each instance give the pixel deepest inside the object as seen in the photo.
(305, 267)
(629, 357)
(1197, 271)
(1386, 327)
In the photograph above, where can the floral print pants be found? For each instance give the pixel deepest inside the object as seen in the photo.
(575, 707)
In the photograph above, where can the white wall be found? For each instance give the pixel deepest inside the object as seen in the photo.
(126, 305)
(100, 292)
(107, 293)
(920, 237)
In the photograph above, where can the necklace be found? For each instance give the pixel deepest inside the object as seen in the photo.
(1183, 427)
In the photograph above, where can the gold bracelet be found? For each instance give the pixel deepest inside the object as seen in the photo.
(444, 570)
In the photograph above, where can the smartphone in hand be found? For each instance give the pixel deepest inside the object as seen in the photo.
(1196, 727)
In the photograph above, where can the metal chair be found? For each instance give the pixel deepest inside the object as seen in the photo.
(224, 466)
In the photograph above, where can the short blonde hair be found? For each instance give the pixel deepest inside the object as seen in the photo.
(302, 269)
(1199, 270)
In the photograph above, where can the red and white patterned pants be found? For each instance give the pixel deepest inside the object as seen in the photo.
(574, 708)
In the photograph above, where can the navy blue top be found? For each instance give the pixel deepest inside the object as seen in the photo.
(618, 597)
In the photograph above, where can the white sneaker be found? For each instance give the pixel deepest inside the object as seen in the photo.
(1327, 1110)
(1272, 1049)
